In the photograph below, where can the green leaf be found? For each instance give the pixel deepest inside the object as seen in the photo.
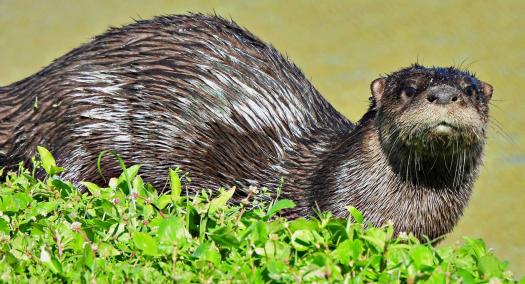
(302, 239)
(131, 173)
(422, 257)
(221, 200)
(356, 214)
(208, 252)
(50, 261)
(348, 250)
(138, 185)
(172, 231)
(64, 188)
(48, 161)
(376, 238)
(44, 208)
(224, 237)
(466, 276)
(91, 187)
(475, 246)
(303, 224)
(489, 265)
(7, 204)
(275, 266)
(106, 250)
(175, 184)
(275, 249)
(280, 205)
(163, 201)
(46, 157)
(320, 259)
(146, 243)
(260, 233)
(21, 200)
(88, 257)
(4, 226)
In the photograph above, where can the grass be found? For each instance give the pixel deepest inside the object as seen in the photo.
(127, 232)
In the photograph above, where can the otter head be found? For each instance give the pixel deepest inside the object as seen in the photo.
(431, 122)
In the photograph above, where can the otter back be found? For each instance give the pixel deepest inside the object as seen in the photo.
(191, 91)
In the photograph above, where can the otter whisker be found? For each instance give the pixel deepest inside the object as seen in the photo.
(455, 154)
(498, 127)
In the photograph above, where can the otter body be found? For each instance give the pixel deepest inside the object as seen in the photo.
(201, 93)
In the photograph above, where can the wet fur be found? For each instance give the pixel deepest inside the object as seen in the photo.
(201, 93)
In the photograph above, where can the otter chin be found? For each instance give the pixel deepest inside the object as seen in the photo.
(201, 93)
(443, 129)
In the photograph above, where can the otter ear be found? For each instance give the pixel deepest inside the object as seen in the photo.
(487, 89)
(378, 89)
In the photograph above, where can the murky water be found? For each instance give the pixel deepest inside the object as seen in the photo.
(342, 47)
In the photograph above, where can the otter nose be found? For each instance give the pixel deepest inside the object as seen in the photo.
(442, 96)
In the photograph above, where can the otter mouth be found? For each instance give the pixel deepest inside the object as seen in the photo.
(443, 129)
(442, 137)
(438, 137)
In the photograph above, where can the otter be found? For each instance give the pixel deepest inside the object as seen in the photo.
(201, 93)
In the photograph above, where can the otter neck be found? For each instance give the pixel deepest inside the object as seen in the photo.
(432, 166)
(364, 176)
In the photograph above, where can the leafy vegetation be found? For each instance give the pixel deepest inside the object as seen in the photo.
(127, 232)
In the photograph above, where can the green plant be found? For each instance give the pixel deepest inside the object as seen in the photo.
(127, 232)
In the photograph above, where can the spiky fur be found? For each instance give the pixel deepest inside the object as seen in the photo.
(201, 93)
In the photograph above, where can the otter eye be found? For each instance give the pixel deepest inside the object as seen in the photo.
(470, 91)
(410, 91)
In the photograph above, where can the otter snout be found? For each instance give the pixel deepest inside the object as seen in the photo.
(442, 95)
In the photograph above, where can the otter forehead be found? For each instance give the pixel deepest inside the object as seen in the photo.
(420, 76)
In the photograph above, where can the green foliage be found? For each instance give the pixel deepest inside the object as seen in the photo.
(48, 161)
(127, 232)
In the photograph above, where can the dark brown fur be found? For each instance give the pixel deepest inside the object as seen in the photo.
(202, 93)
